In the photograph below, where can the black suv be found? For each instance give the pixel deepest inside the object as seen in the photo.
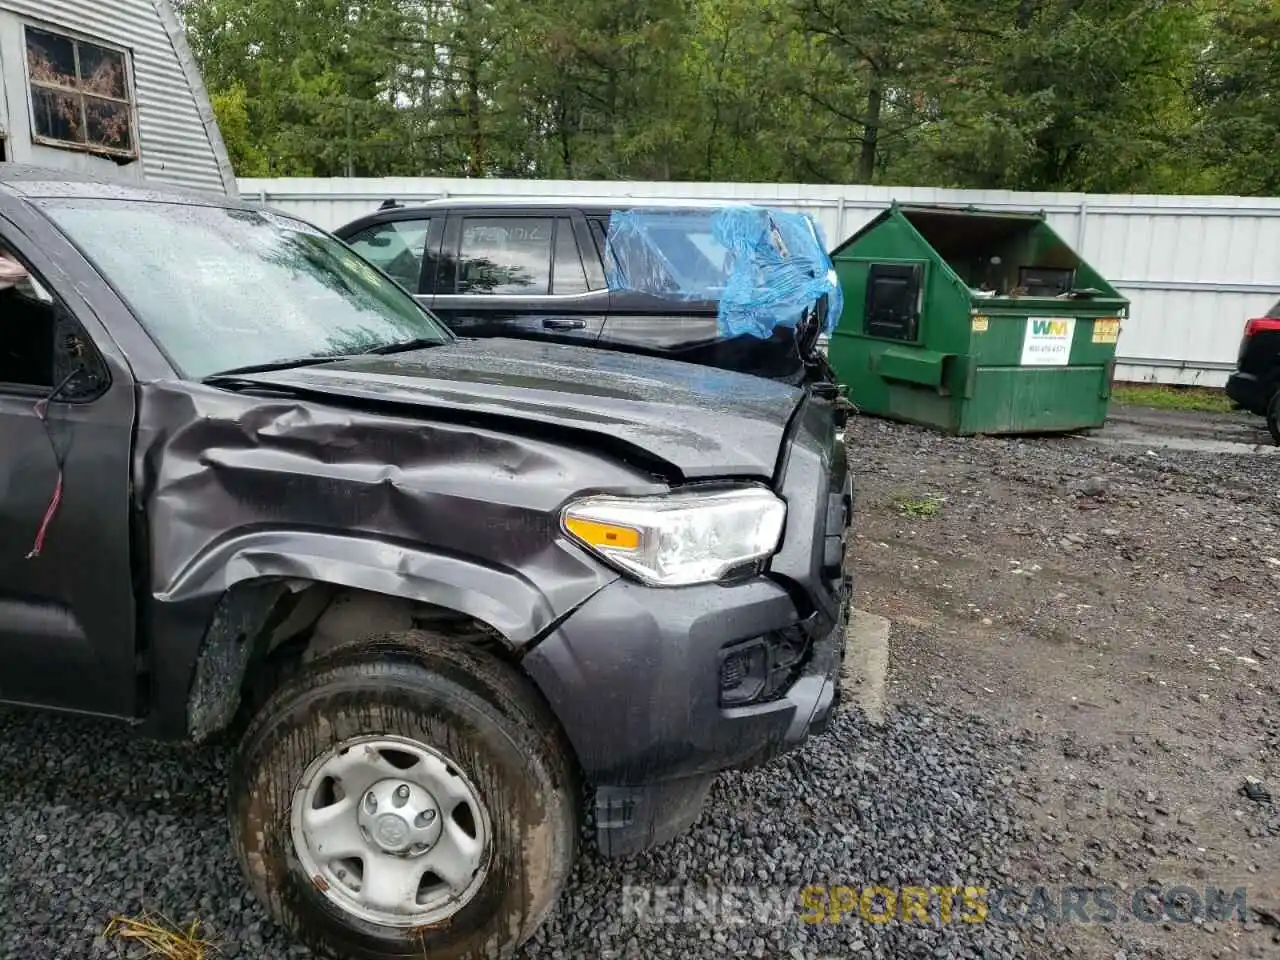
(1255, 384)
(540, 269)
(442, 592)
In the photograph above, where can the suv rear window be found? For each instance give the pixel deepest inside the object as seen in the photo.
(668, 252)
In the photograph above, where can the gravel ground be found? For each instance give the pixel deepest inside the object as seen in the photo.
(1082, 672)
(914, 802)
(95, 823)
(1115, 606)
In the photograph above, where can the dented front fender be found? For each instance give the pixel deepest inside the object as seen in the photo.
(237, 489)
(512, 602)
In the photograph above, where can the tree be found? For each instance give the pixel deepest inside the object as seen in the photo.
(317, 84)
(1111, 95)
(1237, 94)
(232, 113)
(601, 80)
(883, 57)
(1064, 94)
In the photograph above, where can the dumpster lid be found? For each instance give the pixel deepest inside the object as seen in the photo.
(953, 230)
(949, 226)
(1001, 253)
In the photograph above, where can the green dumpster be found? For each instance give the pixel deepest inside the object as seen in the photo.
(974, 322)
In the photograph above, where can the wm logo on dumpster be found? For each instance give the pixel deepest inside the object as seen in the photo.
(1049, 328)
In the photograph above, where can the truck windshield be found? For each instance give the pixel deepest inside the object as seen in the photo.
(221, 288)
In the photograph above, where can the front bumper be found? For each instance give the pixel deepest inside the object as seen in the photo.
(660, 689)
(635, 678)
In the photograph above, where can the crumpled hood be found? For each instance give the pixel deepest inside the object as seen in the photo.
(703, 421)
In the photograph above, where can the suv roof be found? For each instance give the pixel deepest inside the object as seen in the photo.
(593, 206)
(589, 205)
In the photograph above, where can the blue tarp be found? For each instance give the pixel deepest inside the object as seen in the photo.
(764, 268)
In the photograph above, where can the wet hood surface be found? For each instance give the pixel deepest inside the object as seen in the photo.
(703, 421)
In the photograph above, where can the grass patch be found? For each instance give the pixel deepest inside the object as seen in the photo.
(918, 507)
(1164, 397)
(161, 938)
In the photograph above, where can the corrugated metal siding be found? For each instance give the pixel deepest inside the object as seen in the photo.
(1195, 268)
(175, 147)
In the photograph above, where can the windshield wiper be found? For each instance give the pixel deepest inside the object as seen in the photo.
(271, 365)
(417, 343)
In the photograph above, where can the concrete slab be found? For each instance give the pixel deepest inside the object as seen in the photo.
(866, 662)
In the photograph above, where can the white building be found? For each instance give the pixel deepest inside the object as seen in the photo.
(108, 87)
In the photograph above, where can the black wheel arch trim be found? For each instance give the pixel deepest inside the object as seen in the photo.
(232, 591)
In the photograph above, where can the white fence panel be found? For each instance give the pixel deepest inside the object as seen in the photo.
(1195, 268)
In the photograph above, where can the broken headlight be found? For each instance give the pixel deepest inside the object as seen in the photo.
(681, 538)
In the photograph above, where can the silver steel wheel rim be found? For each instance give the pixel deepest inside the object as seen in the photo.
(391, 831)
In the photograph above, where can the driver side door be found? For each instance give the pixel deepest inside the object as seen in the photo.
(67, 615)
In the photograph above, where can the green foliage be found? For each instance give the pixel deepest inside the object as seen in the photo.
(1068, 94)
(1199, 399)
(1099, 95)
(232, 113)
(918, 508)
(1236, 83)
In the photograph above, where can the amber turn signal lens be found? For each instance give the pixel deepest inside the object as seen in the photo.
(603, 534)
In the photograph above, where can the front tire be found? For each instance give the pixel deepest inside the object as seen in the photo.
(404, 797)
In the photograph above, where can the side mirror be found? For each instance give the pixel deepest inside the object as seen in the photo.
(77, 368)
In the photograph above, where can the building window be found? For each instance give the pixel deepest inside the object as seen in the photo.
(80, 94)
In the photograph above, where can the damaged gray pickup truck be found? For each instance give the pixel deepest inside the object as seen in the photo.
(447, 596)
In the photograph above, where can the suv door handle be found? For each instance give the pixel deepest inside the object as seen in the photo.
(564, 324)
